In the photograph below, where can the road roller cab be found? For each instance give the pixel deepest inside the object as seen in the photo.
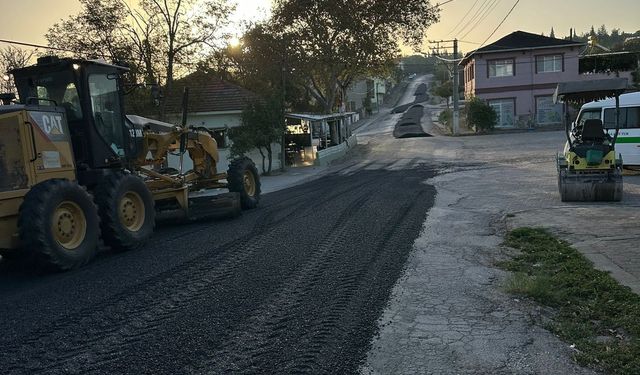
(589, 168)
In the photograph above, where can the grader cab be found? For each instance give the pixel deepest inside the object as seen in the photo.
(74, 168)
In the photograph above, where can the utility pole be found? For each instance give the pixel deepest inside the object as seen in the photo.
(283, 158)
(456, 77)
(284, 114)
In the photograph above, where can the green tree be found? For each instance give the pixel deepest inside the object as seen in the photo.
(335, 42)
(261, 127)
(97, 31)
(12, 58)
(480, 115)
(444, 90)
(159, 38)
(187, 26)
(419, 64)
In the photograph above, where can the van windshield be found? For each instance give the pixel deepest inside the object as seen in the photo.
(587, 115)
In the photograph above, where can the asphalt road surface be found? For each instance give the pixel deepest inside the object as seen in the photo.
(296, 285)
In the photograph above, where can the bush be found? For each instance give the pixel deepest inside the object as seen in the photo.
(445, 117)
(480, 115)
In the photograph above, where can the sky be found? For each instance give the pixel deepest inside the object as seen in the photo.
(537, 16)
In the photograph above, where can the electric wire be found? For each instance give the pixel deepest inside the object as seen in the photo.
(473, 18)
(463, 17)
(7, 41)
(500, 24)
(484, 16)
(440, 4)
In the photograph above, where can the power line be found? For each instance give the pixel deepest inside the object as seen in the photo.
(484, 16)
(474, 17)
(500, 24)
(440, 4)
(463, 17)
(34, 45)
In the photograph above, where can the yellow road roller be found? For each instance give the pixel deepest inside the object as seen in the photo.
(589, 169)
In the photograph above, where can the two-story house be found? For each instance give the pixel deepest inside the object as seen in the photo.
(518, 74)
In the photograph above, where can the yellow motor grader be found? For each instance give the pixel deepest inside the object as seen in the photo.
(75, 169)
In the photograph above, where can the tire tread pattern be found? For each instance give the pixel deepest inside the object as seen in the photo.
(32, 224)
(106, 196)
(235, 177)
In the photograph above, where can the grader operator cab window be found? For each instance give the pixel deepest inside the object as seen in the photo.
(107, 114)
(54, 88)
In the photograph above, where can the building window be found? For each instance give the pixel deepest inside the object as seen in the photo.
(547, 112)
(506, 110)
(501, 68)
(469, 73)
(549, 64)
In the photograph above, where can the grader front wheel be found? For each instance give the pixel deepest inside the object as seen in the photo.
(127, 211)
(243, 178)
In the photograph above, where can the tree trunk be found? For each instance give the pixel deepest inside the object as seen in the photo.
(270, 155)
(168, 90)
(264, 170)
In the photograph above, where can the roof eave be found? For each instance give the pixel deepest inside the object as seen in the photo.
(466, 58)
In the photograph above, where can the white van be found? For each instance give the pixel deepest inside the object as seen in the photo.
(628, 143)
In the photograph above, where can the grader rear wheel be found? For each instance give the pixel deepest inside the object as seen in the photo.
(58, 224)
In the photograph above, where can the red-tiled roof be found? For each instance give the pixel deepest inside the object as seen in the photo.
(208, 93)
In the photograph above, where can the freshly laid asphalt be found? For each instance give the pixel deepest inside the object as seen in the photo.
(296, 285)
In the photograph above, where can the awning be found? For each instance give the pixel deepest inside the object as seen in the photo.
(319, 117)
(588, 91)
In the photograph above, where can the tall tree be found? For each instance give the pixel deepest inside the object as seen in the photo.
(161, 37)
(336, 41)
(12, 58)
(186, 27)
(552, 34)
(97, 31)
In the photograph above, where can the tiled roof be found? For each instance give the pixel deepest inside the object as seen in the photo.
(208, 93)
(520, 40)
